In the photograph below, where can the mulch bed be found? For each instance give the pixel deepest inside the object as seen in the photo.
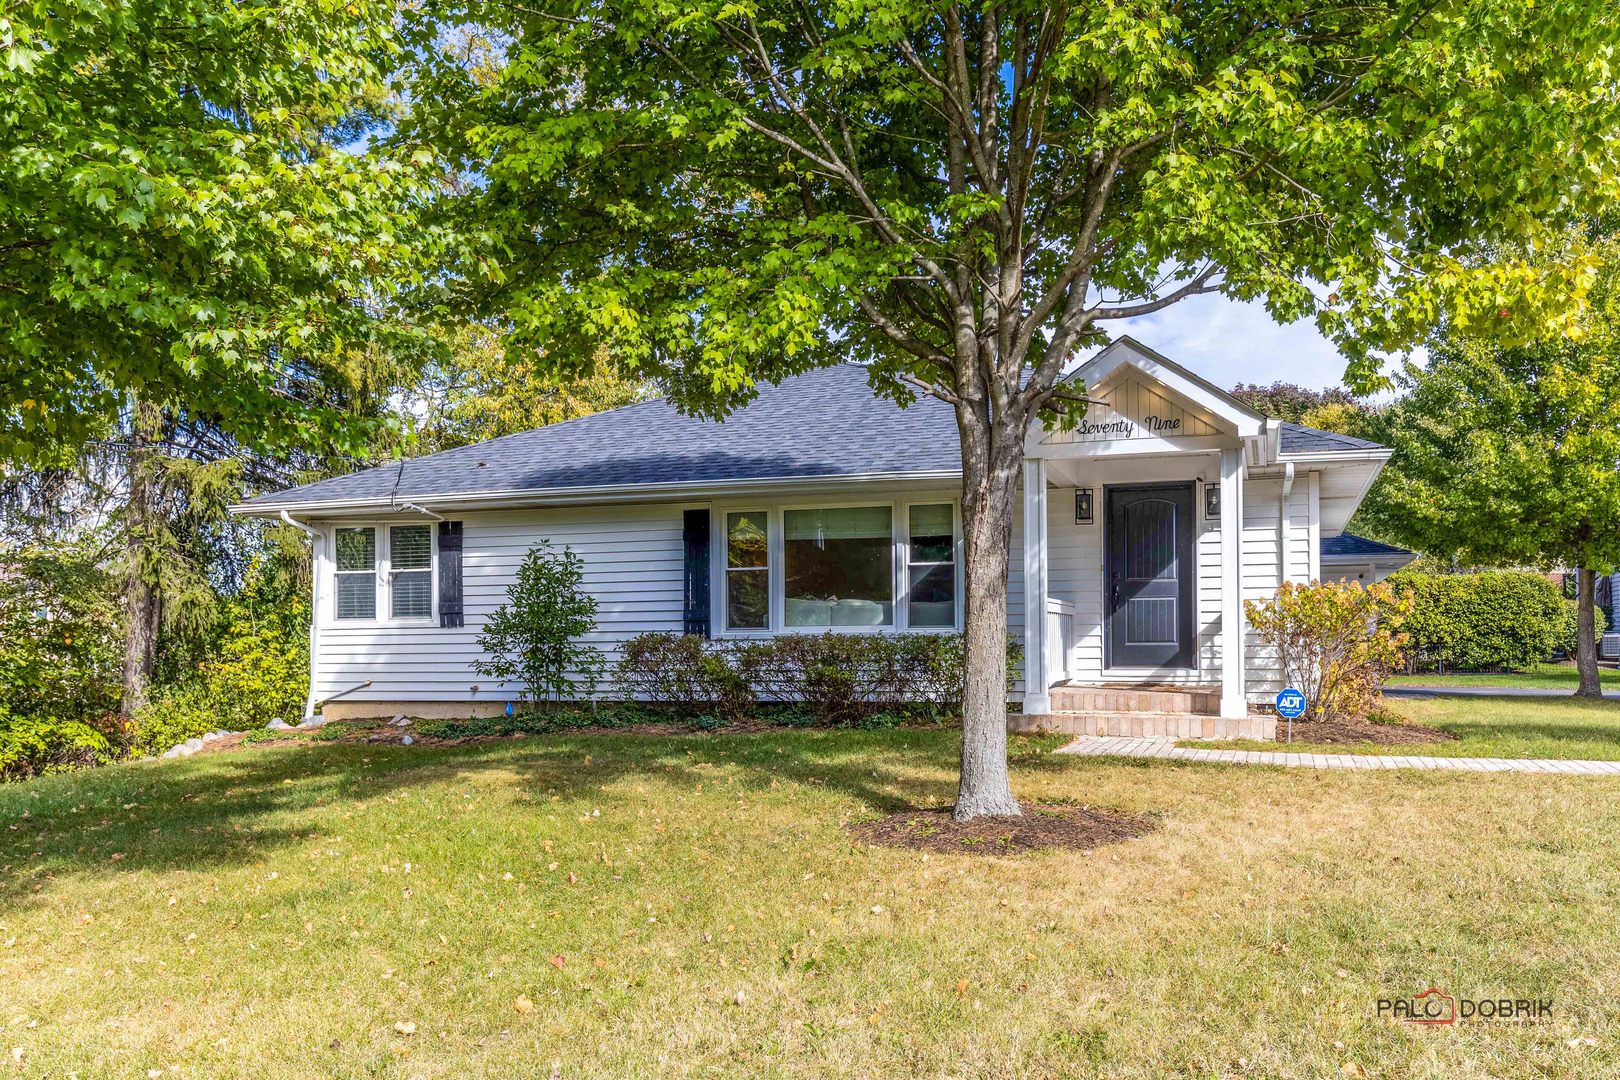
(1071, 828)
(1361, 731)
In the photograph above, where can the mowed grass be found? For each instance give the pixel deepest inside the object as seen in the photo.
(1491, 727)
(693, 907)
(1540, 677)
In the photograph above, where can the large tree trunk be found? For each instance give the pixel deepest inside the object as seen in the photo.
(1586, 657)
(140, 527)
(992, 465)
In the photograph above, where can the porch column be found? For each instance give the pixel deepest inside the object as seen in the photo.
(1233, 703)
(1037, 680)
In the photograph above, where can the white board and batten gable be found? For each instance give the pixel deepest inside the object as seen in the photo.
(1144, 403)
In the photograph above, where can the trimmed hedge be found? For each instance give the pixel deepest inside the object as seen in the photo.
(1496, 619)
(836, 678)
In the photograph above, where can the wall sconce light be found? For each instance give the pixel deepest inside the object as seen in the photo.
(1212, 501)
(1082, 506)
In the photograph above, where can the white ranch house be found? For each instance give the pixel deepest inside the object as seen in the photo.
(821, 508)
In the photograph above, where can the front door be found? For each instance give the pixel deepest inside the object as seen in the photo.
(1151, 576)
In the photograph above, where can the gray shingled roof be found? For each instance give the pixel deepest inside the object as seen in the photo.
(1352, 545)
(1299, 439)
(825, 423)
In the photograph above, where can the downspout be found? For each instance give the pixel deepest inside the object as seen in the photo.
(1283, 525)
(316, 553)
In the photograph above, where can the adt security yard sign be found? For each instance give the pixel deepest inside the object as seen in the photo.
(1290, 703)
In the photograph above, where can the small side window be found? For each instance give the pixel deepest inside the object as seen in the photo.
(410, 571)
(931, 568)
(748, 577)
(356, 573)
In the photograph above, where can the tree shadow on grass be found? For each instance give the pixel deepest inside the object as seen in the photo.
(225, 810)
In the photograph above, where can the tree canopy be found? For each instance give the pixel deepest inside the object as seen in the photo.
(1510, 455)
(178, 216)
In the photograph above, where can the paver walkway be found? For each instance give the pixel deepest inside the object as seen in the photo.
(1120, 746)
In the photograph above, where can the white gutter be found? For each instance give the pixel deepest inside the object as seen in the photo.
(317, 540)
(517, 497)
(1283, 523)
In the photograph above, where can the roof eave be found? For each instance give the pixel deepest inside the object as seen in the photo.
(525, 497)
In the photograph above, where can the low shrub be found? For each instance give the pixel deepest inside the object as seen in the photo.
(1336, 642)
(818, 678)
(1509, 619)
(31, 745)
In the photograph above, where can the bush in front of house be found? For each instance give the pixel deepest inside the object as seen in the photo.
(1336, 642)
(1495, 619)
(31, 745)
(829, 678)
(1571, 637)
(536, 639)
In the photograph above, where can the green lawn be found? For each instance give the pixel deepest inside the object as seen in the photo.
(692, 906)
(1540, 677)
(1504, 727)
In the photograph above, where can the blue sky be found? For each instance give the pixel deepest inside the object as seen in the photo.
(1227, 342)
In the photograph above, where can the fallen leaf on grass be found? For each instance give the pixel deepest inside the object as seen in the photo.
(405, 1027)
(523, 1004)
(961, 986)
(559, 961)
(1352, 1068)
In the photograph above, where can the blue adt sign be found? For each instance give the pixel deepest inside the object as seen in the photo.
(1290, 703)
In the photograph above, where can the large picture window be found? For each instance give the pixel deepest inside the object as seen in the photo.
(838, 567)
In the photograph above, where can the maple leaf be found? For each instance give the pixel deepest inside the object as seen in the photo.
(523, 1004)
(559, 961)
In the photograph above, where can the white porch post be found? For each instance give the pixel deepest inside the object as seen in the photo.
(1037, 680)
(1233, 703)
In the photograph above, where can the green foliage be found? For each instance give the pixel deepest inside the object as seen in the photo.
(724, 194)
(534, 639)
(179, 218)
(1336, 642)
(61, 625)
(867, 679)
(255, 670)
(1570, 639)
(1497, 619)
(1290, 401)
(525, 722)
(1506, 456)
(30, 745)
(473, 390)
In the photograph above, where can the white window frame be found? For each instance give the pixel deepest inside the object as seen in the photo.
(772, 569)
(385, 576)
(899, 564)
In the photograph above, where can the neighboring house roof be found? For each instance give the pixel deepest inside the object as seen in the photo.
(824, 424)
(1299, 439)
(1360, 549)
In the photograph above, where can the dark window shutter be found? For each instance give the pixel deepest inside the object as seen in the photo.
(450, 613)
(695, 534)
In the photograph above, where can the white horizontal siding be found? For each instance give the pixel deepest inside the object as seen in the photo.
(1263, 569)
(633, 560)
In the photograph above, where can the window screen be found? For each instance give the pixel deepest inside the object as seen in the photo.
(356, 573)
(410, 566)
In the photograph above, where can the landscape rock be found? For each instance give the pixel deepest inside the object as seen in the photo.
(210, 736)
(278, 725)
(401, 721)
(407, 740)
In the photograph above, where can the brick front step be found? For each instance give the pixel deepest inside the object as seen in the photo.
(1166, 700)
(1139, 725)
